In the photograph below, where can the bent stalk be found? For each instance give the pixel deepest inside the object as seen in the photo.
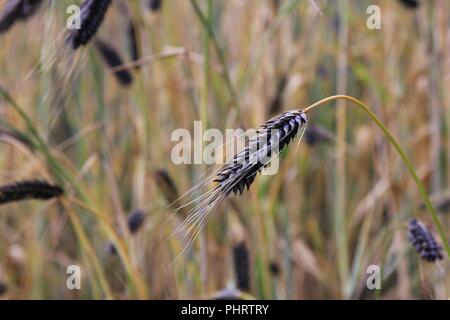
(402, 155)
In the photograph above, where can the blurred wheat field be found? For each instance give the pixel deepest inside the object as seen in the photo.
(340, 202)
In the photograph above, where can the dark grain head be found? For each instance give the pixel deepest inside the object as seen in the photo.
(411, 4)
(166, 185)
(3, 288)
(92, 15)
(423, 241)
(317, 134)
(135, 221)
(17, 10)
(112, 59)
(154, 5)
(29, 189)
(241, 262)
(272, 137)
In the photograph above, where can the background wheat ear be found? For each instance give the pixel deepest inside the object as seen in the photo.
(17, 10)
(166, 184)
(154, 5)
(423, 241)
(241, 262)
(112, 59)
(135, 220)
(318, 134)
(92, 15)
(411, 4)
(29, 189)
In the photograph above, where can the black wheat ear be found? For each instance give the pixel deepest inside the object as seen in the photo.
(241, 261)
(92, 15)
(3, 288)
(166, 184)
(135, 221)
(411, 4)
(112, 59)
(423, 241)
(240, 172)
(17, 10)
(29, 189)
(154, 5)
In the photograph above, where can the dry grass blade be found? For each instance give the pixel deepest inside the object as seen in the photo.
(17, 10)
(92, 15)
(29, 189)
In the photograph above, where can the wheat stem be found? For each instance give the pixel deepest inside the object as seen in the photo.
(402, 155)
(340, 227)
(61, 175)
(220, 52)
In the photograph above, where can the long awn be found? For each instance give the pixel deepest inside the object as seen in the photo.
(240, 172)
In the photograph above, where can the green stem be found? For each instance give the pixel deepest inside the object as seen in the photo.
(220, 53)
(38, 141)
(339, 218)
(60, 175)
(402, 155)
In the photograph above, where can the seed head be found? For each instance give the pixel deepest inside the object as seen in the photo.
(241, 263)
(154, 5)
(424, 242)
(135, 221)
(272, 137)
(34, 189)
(239, 173)
(166, 185)
(317, 134)
(274, 268)
(17, 10)
(412, 4)
(3, 288)
(113, 59)
(92, 15)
